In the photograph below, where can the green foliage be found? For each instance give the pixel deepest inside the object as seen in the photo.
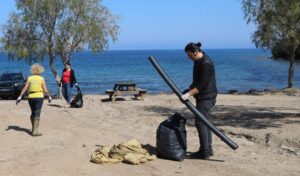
(279, 53)
(85, 24)
(58, 27)
(278, 27)
(278, 21)
(20, 42)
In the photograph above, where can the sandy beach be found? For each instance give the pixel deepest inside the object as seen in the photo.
(266, 128)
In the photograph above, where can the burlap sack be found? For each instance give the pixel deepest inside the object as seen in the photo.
(130, 152)
(101, 156)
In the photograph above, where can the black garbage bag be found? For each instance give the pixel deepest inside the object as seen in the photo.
(77, 101)
(171, 138)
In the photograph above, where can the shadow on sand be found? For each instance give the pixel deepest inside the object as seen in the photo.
(118, 99)
(55, 105)
(238, 116)
(17, 128)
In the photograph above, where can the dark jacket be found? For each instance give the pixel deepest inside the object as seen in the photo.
(72, 77)
(204, 79)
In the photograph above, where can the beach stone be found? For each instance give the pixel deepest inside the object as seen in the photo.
(291, 91)
(255, 92)
(260, 93)
(233, 91)
(251, 91)
(270, 90)
(268, 137)
(289, 150)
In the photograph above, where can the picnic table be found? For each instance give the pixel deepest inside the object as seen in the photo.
(126, 88)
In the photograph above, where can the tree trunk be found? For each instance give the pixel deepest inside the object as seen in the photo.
(291, 71)
(57, 77)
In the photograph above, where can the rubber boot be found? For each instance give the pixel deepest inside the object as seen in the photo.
(35, 132)
(31, 119)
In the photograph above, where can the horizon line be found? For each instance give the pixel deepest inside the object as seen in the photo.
(163, 49)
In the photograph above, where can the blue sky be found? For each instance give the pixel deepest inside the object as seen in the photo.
(171, 24)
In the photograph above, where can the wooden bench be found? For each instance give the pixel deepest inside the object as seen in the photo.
(138, 94)
(126, 88)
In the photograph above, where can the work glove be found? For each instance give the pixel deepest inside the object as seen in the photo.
(77, 87)
(49, 99)
(186, 96)
(18, 100)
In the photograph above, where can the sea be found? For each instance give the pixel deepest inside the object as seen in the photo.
(236, 69)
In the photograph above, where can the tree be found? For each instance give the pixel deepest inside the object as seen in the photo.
(53, 28)
(278, 22)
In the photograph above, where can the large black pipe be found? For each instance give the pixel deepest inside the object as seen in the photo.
(191, 107)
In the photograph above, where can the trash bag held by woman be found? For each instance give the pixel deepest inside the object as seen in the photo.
(77, 101)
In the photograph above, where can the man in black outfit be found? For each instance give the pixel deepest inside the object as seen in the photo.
(204, 90)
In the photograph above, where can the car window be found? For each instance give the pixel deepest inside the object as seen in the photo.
(11, 77)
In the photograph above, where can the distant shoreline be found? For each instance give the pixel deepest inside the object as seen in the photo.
(122, 50)
(287, 91)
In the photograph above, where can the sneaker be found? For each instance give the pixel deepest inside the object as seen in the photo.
(201, 154)
(211, 152)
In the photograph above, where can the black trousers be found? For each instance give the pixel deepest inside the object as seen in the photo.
(36, 107)
(205, 138)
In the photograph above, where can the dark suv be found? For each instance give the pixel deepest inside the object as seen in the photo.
(11, 85)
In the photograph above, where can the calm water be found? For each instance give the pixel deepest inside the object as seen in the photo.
(240, 69)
